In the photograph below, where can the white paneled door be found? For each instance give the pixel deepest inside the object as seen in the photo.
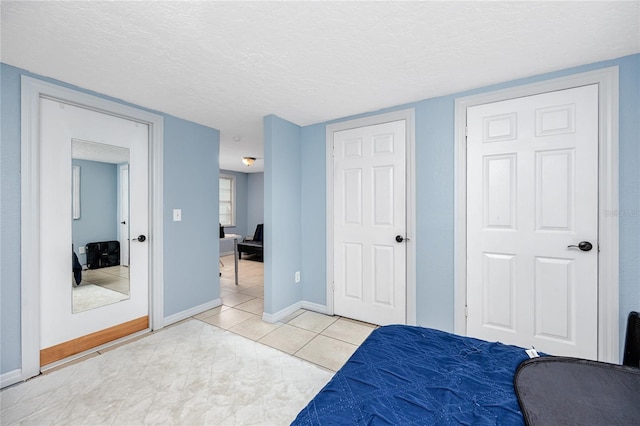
(532, 222)
(370, 223)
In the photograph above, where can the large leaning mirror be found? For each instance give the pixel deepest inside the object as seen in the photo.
(100, 194)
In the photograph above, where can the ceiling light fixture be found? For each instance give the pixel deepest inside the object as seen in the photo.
(248, 160)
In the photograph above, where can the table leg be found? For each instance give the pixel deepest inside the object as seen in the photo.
(235, 257)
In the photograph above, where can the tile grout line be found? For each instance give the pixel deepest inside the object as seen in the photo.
(295, 354)
(320, 333)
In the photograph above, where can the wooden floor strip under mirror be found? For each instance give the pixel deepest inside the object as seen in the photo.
(84, 343)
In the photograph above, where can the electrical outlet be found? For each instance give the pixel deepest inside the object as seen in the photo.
(297, 276)
(81, 250)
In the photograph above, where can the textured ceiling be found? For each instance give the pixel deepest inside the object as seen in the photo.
(228, 64)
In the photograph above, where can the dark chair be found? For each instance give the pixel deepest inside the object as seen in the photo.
(252, 246)
(632, 341)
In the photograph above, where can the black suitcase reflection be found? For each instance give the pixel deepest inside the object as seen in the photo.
(103, 254)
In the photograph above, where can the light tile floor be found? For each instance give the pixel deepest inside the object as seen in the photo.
(327, 341)
(113, 277)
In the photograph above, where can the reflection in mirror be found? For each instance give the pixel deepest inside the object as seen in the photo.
(75, 189)
(101, 234)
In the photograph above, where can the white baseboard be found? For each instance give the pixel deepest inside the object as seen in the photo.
(310, 306)
(191, 312)
(273, 318)
(315, 307)
(10, 378)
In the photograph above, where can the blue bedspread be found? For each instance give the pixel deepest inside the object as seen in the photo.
(404, 375)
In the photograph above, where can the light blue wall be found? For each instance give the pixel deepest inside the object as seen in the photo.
(255, 201)
(314, 206)
(190, 260)
(629, 188)
(282, 214)
(434, 153)
(241, 210)
(9, 219)
(98, 205)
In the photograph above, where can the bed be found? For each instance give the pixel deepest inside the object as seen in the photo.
(404, 375)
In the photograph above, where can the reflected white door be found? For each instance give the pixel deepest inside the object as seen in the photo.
(369, 212)
(532, 193)
(60, 123)
(124, 214)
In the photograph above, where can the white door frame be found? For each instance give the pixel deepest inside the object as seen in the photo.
(409, 116)
(32, 91)
(608, 303)
(124, 239)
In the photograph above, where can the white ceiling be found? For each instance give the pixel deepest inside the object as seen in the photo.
(228, 64)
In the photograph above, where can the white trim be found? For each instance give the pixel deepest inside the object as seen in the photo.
(232, 178)
(283, 313)
(75, 187)
(32, 91)
(412, 309)
(156, 219)
(172, 319)
(30, 229)
(123, 237)
(10, 378)
(409, 116)
(608, 303)
(315, 307)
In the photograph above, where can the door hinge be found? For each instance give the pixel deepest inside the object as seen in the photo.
(466, 131)
(466, 311)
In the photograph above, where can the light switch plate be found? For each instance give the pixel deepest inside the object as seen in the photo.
(177, 215)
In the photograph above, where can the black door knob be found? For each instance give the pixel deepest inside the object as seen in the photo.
(583, 245)
(141, 238)
(399, 238)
